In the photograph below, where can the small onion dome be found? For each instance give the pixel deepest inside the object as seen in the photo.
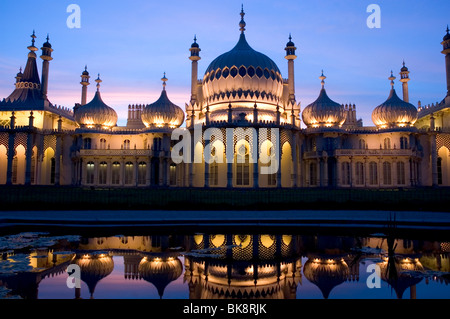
(326, 273)
(85, 72)
(290, 43)
(47, 44)
(447, 36)
(160, 271)
(195, 44)
(404, 68)
(398, 272)
(394, 112)
(96, 112)
(94, 267)
(324, 112)
(162, 113)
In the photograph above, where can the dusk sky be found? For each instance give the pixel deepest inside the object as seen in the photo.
(132, 43)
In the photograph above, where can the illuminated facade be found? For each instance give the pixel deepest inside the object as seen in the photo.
(325, 145)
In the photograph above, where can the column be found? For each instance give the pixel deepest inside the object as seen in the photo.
(167, 172)
(122, 171)
(206, 184)
(294, 161)
(325, 172)
(366, 171)
(434, 173)
(256, 163)
(338, 172)
(109, 172)
(136, 171)
(11, 153)
(352, 177)
(149, 172)
(28, 155)
(161, 170)
(380, 171)
(96, 164)
(58, 160)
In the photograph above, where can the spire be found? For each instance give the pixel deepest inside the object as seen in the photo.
(164, 79)
(33, 39)
(392, 78)
(98, 80)
(242, 23)
(322, 77)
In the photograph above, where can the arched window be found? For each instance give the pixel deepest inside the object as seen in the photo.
(173, 175)
(403, 143)
(387, 143)
(401, 180)
(387, 180)
(313, 174)
(359, 173)
(102, 144)
(115, 173)
(243, 166)
(14, 169)
(362, 144)
(102, 171)
(128, 173)
(126, 144)
(87, 143)
(142, 173)
(373, 173)
(345, 173)
(90, 173)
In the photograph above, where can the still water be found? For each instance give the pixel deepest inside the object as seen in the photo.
(203, 265)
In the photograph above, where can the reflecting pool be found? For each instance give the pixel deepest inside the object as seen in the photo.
(309, 265)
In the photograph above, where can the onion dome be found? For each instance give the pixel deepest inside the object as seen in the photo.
(242, 73)
(47, 43)
(398, 272)
(326, 273)
(194, 44)
(162, 113)
(447, 36)
(94, 266)
(85, 72)
(394, 112)
(324, 112)
(160, 271)
(404, 68)
(96, 113)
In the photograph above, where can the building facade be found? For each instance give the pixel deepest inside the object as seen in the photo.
(243, 128)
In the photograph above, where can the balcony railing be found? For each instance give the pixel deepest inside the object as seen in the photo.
(116, 152)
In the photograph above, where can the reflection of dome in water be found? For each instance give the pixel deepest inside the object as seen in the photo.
(94, 267)
(326, 273)
(160, 271)
(394, 271)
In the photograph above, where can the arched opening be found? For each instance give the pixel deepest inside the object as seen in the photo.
(373, 173)
(102, 173)
(48, 166)
(155, 172)
(142, 173)
(129, 168)
(218, 168)
(3, 164)
(286, 165)
(387, 174)
(115, 173)
(18, 168)
(266, 156)
(243, 169)
(443, 175)
(90, 167)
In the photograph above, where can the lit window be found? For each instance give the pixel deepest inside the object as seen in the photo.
(90, 173)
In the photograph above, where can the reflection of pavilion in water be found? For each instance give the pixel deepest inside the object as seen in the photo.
(239, 266)
(242, 266)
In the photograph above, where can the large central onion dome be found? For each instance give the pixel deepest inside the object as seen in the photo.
(96, 113)
(324, 112)
(394, 112)
(162, 113)
(242, 74)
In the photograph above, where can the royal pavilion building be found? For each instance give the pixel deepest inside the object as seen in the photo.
(274, 141)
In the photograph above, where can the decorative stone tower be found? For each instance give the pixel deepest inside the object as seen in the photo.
(446, 50)
(46, 57)
(290, 56)
(84, 82)
(195, 57)
(404, 78)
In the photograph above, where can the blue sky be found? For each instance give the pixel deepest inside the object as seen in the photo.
(131, 44)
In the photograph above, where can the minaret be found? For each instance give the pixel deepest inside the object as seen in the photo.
(446, 50)
(19, 75)
(404, 78)
(290, 56)
(46, 57)
(195, 57)
(84, 82)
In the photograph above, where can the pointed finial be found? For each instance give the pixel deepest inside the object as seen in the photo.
(195, 38)
(33, 37)
(447, 29)
(403, 62)
(20, 70)
(48, 37)
(392, 78)
(98, 80)
(242, 24)
(85, 67)
(290, 37)
(164, 79)
(322, 77)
